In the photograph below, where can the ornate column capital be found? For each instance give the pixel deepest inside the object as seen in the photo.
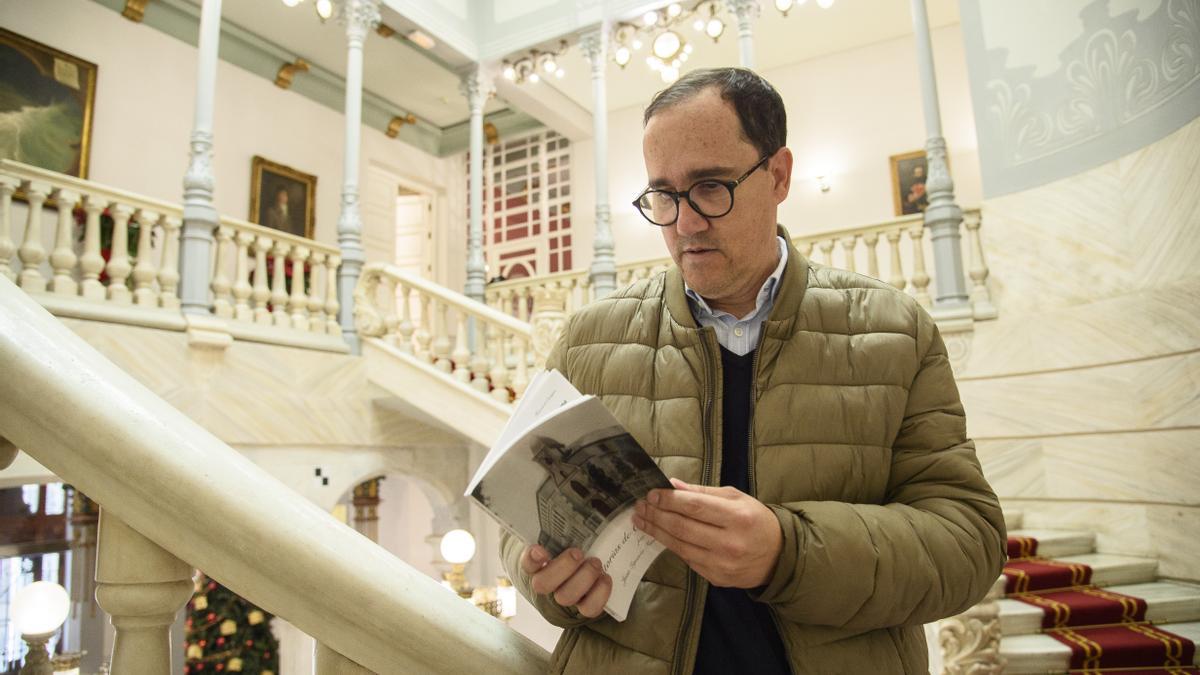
(594, 45)
(744, 10)
(359, 17)
(477, 83)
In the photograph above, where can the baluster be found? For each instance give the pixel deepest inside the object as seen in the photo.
(118, 267)
(316, 306)
(406, 321)
(332, 327)
(441, 337)
(144, 271)
(896, 277)
(279, 294)
(848, 244)
(479, 357)
(168, 275)
(826, 247)
(91, 263)
(569, 298)
(298, 303)
(521, 379)
(806, 248)
(222, 298)
(32, 253)
(262, 292)
(241, 281)
(7, 247)
(424, 332)
(981, 299)
(461, 357)
(920, 278)
(871, 239)
(390, 319)
(142, 587)
(523, 304)
(499, 372)
(63, 259)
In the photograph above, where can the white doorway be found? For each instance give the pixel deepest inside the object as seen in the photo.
(414, 232)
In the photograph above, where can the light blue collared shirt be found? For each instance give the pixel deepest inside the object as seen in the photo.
(740, 336)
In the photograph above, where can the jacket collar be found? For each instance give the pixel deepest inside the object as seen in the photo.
(787, 302)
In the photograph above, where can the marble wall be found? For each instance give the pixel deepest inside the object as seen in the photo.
(1084, 396)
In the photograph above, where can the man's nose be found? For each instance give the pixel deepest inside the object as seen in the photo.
(689, 221)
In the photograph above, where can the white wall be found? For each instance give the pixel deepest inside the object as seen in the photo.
(145, 93)
(847, 112)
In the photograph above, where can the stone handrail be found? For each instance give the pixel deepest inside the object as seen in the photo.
(137, 275)
(476, 344)
(174, 496)
(854, 248)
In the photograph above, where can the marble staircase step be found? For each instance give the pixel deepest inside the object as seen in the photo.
(1110, 570)
(1166, 602)
(1055, 543)
(1042, 653)
(1013, 520)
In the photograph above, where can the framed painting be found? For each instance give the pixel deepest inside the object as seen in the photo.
(46, 103)
(282, 198)
(909, 171)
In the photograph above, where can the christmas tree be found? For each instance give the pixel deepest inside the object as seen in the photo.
(225, 633)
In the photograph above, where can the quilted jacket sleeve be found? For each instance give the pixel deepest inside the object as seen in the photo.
(511, 547)
(934, 547)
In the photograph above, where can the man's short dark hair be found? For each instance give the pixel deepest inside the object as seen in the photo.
(759, 107)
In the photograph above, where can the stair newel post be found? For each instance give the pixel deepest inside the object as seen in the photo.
(896, 277)
(63, 259)
(406, 320)
(142, 587)
(316, 305)
(7, 247)
(461, 356)
(241, 283)
(262, 293)
(298, 301)
(279, 293)
(920, 280)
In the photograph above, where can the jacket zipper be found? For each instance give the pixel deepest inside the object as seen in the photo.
(751, 464)
(705, 479)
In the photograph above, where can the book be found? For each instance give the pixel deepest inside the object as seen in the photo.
(564, 473)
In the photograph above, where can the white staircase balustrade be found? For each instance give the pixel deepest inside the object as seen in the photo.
(893, 251)
(153, 469)
(91, 251)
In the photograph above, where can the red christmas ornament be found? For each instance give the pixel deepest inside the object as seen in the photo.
(212, 585)
(249, 643)
(187, 669)
(204, 643)
(199, 666)
(220, 666)
(211, 616)
(220, 641)
(266, 655)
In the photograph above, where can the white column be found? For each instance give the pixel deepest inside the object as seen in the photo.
(476, 86)
(943, 216)
(359, 17)
(604, 267)
(199, 215)
(746, 12)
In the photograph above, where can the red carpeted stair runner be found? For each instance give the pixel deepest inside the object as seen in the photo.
(1125, 646)
(1024, 576)
(1085, 606)
(1022, 547)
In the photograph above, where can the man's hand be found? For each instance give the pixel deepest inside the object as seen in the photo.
(572, 579)
(724, 534)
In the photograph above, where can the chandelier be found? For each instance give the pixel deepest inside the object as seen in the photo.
(324, 7)
(536, 65)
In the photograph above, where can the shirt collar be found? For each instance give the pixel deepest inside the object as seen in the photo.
(766, 294)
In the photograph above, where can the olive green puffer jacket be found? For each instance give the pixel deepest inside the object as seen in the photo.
(859, 447)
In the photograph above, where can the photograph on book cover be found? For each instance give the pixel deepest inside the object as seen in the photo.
(581, 485)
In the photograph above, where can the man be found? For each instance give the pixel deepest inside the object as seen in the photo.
(278, 217)
(827, 501)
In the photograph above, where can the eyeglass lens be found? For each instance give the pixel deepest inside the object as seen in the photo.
(712, 199)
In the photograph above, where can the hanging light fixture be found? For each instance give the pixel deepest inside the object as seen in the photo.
(292, 3)
(536, 65)
(324, 9)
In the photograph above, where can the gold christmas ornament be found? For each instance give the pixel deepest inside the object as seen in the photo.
(255, 617)
(234, 665)
(201, 602)
(228, 627)
(195, 652)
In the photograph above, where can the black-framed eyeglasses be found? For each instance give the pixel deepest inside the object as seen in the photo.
(710, 198)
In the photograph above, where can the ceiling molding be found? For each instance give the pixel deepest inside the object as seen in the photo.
(509, 122)
(421, 12)
(246, 50)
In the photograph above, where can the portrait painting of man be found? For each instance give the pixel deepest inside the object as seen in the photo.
(46, 100)
(282, 198)
(909, 171)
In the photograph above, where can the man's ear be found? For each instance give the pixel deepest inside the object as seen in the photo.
(780, 167)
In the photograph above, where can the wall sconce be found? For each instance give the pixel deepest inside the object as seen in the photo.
(283, 79)
(393, 129)
(823, 183)
(458, 547)
(40, 610)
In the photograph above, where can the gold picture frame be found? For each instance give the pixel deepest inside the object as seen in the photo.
(280, 195)
(909, 171)
(56, 93)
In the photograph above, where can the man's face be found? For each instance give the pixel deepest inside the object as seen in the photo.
(723, 259)
(281, 198)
